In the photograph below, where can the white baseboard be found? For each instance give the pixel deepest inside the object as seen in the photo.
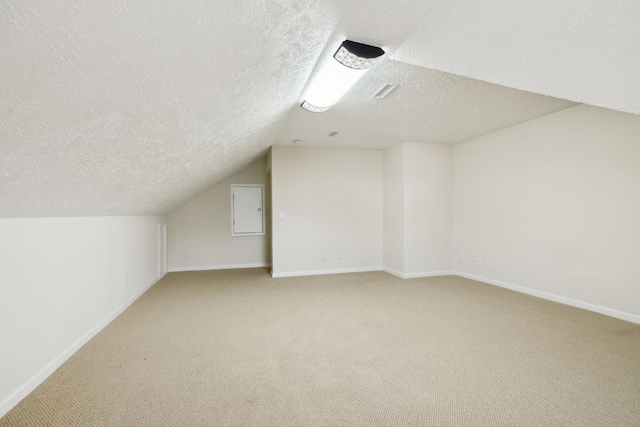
(394, 272)
(14, 398)
(556, 298)
(417, 275)
(319, 272)
(217, 267)
(428, 274)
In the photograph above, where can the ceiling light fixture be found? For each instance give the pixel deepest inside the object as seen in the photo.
(336, 77)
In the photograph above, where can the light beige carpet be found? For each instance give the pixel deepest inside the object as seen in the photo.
(238, 348)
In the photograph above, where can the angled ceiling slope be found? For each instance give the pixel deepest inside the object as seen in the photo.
(583, 51)
(128, 108)
(132, 108)
(427, 106)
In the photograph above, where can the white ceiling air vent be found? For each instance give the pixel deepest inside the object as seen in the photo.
(384, 91)
(332, 134)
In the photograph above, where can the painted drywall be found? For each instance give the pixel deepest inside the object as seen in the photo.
(138, 107)
(583, 51)
(418, 209)
(199, 89)
(326, 201)
(203, 228)
(551, 207)
(393, 168)
(176, 96)
(428, 232)
(427, 106)
(62, 280)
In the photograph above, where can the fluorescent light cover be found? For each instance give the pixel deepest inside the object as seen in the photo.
(352, 60)
(313, 108)
(330, 83)
(338, 74)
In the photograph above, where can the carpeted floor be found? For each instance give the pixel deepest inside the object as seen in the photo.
(238, 348)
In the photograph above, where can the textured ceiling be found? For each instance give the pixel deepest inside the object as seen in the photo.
(134, 107)
(586, 51)
(128, 108)
(428, 106)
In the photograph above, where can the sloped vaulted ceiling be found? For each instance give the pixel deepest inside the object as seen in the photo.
(586, 51)
(121, 108)
(134, 107)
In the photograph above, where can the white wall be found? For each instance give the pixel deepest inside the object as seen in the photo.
(418, 209)
(552, 206)
(203, 227)
(393, 171)
(428, 209)
(61, 281)
(332, 200)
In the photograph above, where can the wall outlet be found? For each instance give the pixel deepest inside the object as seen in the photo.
(461, 256)
(188, 254)
(479, 261)
(124, 282)
(323, 256)
(339, 256)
